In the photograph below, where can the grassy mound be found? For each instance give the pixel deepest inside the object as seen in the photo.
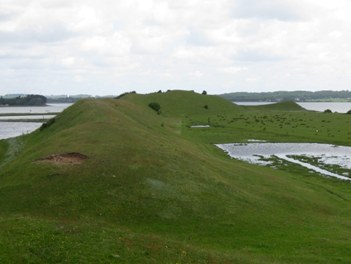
(280, 106)
(182, 103)
(152, 190)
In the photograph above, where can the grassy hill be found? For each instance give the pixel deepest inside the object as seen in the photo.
(280, 106)
(142, 187)
(180, 103)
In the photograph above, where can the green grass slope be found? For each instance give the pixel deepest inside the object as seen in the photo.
(153, 190)
(182, 103)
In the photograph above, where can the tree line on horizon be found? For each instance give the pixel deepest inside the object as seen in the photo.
(28, 100)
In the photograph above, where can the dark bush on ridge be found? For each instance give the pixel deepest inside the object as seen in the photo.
(123, 94)
(155, 106)
(349, 112)
(327, 111)
(47, 124)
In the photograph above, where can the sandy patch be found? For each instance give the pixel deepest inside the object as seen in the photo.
(71, 158)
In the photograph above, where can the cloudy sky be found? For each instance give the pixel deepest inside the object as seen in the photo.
(111, 46)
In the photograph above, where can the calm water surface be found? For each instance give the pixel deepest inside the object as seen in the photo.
(31, 117)
(14, 129)
(340, 107)
(51, 108)
(321, 106)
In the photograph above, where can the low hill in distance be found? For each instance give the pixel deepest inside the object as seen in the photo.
(116, 181)
(298, 96)
(282, 106)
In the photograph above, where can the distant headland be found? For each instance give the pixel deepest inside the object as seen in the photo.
(27, 100)
(41, 100)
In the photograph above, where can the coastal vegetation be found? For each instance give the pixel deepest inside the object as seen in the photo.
(28, 100)
(110, 181)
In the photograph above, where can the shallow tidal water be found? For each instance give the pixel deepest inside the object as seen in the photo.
(263, 153)
(14, 129)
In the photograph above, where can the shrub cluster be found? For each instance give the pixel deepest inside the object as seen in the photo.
(155, 106)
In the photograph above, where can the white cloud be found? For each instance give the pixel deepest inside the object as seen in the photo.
(273, 9)
(111, 46)
(196, 74)
(233, 69)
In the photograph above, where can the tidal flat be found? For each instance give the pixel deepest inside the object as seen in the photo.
(312, 156)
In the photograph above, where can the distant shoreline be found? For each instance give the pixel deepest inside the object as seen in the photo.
(308, 101)
(297, 96)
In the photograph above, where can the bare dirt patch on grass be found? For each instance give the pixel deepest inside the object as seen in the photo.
(71, 158)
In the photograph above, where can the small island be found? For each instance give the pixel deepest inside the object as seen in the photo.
(28, 100)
